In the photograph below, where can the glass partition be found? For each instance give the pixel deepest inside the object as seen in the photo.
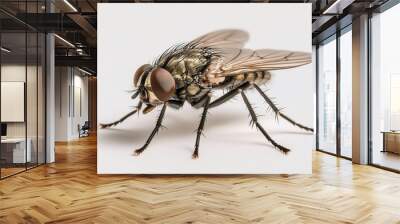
(14, 155)
(327, 96)
(22, 77)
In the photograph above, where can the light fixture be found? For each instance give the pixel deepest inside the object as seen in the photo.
(5, 50)
(337, 7)
(326, 11)
(70, 5)
(80, 51)
(64, 40)
(84, 71)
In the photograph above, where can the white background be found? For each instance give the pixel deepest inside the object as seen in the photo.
(12, 99)
(130, 35)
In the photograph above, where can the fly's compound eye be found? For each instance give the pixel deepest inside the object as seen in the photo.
(139, 72)
(162, 84)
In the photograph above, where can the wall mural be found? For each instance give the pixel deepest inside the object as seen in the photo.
(198, 77)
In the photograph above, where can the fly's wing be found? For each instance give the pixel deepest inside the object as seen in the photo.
(226, 38)
(237, 61)
(220, 39)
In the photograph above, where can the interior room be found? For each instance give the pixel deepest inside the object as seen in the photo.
(22, 101)
(95, 127)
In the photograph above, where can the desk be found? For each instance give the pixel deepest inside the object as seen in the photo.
(15, 148)
(391, 141)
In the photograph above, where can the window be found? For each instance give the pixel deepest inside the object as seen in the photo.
(327, 96)
(335, 74)
(385, 89)
(395, 101)
(346, 93)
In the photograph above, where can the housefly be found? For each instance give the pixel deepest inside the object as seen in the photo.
(191, 72)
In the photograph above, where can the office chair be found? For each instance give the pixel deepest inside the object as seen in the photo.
(84, 130)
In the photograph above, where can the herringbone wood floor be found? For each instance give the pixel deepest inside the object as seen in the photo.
(70, 191)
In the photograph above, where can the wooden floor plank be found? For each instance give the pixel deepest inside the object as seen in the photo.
(70, 191)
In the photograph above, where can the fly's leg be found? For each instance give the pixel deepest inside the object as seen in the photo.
(122, 118)
(222, 99)
(229, 95)
(200, 102)
(200, 128)
(277, 111)
(154, 132)
(259, 127)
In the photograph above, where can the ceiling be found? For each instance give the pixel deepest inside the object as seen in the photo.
(76, 22)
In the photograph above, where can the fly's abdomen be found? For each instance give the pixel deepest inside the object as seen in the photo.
(259, 77)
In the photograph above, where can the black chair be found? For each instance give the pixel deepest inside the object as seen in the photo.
(84, 130)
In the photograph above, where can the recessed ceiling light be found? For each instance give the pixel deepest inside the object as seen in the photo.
(84, 71)
(5, 50)
(337, 7)
(70, 5)
(64, 40)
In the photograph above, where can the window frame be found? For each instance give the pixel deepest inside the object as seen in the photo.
(334, 37)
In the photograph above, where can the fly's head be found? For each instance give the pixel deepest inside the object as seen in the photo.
(154, 85)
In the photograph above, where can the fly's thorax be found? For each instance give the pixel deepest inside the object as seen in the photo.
(187, 70)
(189, 91)
(193, 89)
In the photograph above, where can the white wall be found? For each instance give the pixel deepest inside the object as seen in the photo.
(80, 104)
(61, 103)
(16, 73)
(12, 101)
(12, 73)
(69, 82)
